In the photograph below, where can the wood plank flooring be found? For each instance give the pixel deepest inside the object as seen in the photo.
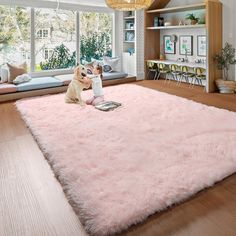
(32, 202)
(196, 93)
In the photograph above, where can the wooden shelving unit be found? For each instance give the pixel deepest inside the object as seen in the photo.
(213, 26)
(129, 28)
(178, 9)
(177, 27)
(128, 19)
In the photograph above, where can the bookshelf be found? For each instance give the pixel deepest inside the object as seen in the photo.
(129, 42)
(177, 27)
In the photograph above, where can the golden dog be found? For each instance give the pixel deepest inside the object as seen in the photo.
(77, 85)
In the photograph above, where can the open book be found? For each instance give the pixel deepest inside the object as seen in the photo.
(107, 106)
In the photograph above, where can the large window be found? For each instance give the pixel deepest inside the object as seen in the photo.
(55, 39)
(95, 36)
(53, 45)
(14, 35)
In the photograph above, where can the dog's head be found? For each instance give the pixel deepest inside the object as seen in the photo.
(80, 72)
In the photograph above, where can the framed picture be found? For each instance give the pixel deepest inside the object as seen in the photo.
(202, 46)
(169, 46)
(186, 45)
(156, 21)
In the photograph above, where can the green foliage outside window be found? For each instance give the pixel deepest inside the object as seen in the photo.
(61, 58)
(14, 25)
(94, 46)
(95, 37)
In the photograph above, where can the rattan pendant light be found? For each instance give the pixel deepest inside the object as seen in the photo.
(128, 5)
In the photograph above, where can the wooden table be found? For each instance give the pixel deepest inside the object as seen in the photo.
(179, 63)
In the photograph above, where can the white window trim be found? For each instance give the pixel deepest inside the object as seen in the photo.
(32, 40)
(51, 72)
(113, 35)
(48, 33)
(49, 52)
(77, 31)
(40, 33)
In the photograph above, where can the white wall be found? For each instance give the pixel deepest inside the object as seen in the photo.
(174, 19)
(229, 25)
(193, 32)
(229, 12)
(118, 34)
(140, 45)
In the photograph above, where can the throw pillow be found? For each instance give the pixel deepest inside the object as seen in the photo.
(112, 62)
(4, 75)
(107, 68)
(15, 71)
(21, 79)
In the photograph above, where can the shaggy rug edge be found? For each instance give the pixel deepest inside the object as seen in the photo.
(78, 206)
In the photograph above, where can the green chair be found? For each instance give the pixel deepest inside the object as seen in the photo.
(176, 73)
(200, 75)
(164, 70)
(152, 68)
(187, 75)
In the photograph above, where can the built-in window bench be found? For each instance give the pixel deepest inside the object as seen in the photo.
(53, 84)
(191, 65)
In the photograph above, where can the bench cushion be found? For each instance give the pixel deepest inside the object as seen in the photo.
(114, 75)
(106, 76)
(7, 88)
(39, 83)
(65, 79)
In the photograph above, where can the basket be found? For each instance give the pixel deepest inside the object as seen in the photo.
(226, 86)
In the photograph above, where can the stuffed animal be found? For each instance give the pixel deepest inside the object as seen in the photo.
(96, 78)
(76, 86)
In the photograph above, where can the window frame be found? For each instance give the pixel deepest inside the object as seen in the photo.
(42, 32)
(49, 52)
(77, 8)
(47, 33)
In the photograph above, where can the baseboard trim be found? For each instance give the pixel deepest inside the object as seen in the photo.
(141, 76)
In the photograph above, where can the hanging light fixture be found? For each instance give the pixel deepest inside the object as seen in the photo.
(128, 5)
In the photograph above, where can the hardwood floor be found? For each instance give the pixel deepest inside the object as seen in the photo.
(196, 93)
(32, 202)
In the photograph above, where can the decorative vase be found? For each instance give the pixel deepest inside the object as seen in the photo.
(226, 86)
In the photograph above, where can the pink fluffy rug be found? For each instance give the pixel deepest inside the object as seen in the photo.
(118, 168)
